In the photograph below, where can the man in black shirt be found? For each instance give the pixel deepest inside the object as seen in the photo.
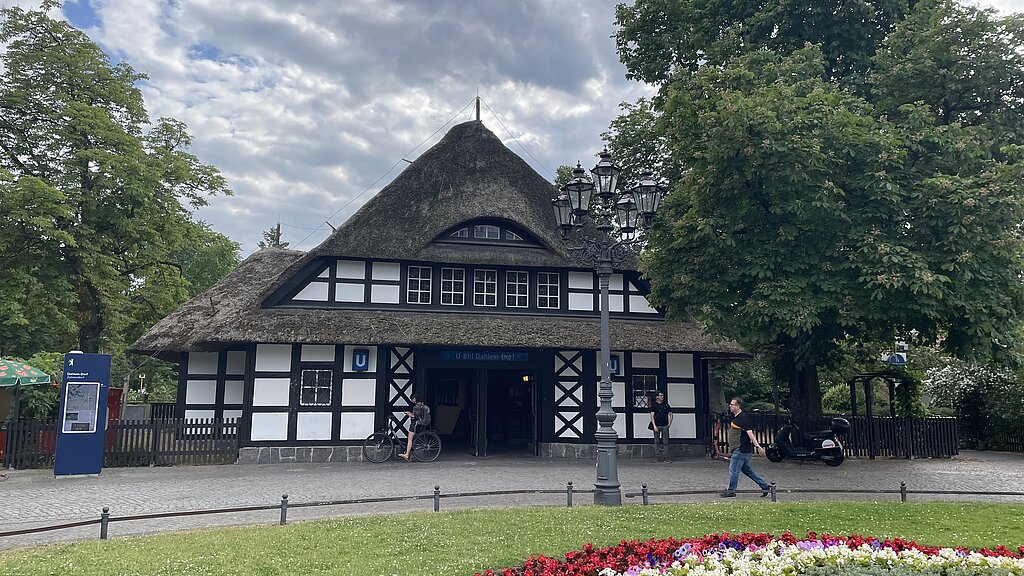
(743, 445)
(661, 420)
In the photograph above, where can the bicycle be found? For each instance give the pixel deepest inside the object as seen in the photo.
(380, 446)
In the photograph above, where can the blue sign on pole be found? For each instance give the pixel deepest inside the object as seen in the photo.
(83, 414)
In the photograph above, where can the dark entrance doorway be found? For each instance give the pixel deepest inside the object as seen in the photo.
(484, 411)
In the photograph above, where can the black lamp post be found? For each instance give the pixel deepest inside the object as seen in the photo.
(621, 222)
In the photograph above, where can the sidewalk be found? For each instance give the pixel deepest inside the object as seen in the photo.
(35, 498)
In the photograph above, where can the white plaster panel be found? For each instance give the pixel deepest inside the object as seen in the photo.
(583, 280)
(354, 269)
(313, 426)
(273, 357)
(270, 391)
(344, 292)
(232, 415)
(356, 425)
(581, 301)
(358, 392)
(395, 390)
(236, 362)
(620, 424)
(200, 391)
(317, 353)
(632, 287)
(313, 292)
(233, 391)
(568, 432)
(325, 274)
(269, 426)
(615, 282)
(679, 365)
(202, 362)
(640, 422)
(681, 395)
(571, 400)
(199, 415)
(645, 360)
(386, 271)
(640, 305)
(614, 303)
(371, 365)
(384, 294)
(683, 426)
(618, 395)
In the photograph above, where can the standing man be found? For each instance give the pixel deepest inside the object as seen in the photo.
(661, 419)
(743, 445)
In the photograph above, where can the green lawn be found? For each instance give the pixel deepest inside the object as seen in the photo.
(461, 542)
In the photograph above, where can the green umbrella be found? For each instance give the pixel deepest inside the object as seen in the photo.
(13, 373)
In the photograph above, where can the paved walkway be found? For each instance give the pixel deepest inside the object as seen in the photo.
(35, 498)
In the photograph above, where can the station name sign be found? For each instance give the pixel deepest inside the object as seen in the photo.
(484, 356)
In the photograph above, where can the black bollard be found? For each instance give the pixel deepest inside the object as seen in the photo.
(437, 498)
(772, 491)
(104, 521)
(284, 509)
(643, 492)
(568, 494)
(903, 491)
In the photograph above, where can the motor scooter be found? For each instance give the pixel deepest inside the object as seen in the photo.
(822, 445)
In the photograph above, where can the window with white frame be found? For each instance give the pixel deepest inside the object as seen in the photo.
(548, 289)
(485, 287)
(510, 235)
(461, 233)
(419, 285)
(517, 289)
(453, 286)
(486, 231)
(315, 389)
(645, 388)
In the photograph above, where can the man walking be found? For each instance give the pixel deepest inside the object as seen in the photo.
(743, 445)
(661, 420)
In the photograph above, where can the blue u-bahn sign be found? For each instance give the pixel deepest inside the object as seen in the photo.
(83, 414)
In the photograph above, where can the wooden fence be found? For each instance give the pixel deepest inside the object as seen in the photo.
(155, 442)
(931, 437)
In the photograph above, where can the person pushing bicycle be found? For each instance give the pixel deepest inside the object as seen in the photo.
(420, 415)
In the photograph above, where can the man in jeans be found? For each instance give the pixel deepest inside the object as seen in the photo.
(661, 419)
(743, 445)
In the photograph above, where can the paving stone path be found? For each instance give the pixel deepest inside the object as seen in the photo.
(33, 498)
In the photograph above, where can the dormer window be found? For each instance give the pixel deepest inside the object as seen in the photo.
(486, 232)
(490, 232)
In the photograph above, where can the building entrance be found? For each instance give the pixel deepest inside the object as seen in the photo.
(485, 411)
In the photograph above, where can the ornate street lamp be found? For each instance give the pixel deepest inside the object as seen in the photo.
(619, 231)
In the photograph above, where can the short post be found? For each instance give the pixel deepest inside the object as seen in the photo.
(903, 491)
(437, 498)
(104, 522)
(643, 492)
(568, 494)
(284, 509)
(772, 492)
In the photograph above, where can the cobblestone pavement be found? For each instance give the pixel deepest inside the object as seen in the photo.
(35, 498)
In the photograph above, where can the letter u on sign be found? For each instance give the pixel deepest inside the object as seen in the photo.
(360, 360)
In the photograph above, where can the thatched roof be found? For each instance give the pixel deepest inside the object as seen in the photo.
(468, 175)
(230, 312)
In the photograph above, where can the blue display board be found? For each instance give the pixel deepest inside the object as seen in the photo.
(83, 414)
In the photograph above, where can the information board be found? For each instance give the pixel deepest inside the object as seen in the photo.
(83, 414)
(81, 407)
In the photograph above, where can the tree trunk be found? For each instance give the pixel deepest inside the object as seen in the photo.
(801, 375)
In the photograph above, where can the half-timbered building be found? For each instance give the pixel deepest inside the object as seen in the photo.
(452, 282)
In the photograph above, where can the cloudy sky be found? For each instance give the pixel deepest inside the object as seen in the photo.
(308, 107)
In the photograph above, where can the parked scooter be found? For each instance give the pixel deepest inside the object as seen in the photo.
(822, 445)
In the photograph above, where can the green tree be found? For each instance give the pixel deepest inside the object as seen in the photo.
(107, 215)
(823, 198)
(272, 237)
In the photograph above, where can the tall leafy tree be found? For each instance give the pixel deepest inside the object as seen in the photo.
(108, 189)
(818, 203)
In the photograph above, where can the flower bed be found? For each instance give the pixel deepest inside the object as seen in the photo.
(765, 555)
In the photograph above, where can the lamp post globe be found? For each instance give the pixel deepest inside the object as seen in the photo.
(622, 221)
